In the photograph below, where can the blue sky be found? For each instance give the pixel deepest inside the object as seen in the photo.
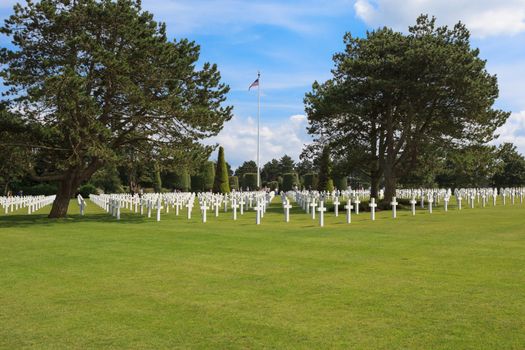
(292, 43)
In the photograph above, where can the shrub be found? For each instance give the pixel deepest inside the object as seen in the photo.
(273, 185)
(341, 183)
(289, 181)
(87, 189)
(208, 175)
(182, 181)
(234, 183)
(310, 181)
(39, 190)
(221, 184)
(249, 181)
(197, 183)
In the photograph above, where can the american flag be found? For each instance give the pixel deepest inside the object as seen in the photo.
(254, 84)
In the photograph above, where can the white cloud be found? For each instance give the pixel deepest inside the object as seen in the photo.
(513, 131)
(298, 118)
(483, 17)
(239, 139)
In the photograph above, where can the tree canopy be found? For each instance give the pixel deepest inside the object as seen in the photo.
(97, 81)
(393, 95)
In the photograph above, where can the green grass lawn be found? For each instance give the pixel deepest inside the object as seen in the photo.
(451, 280)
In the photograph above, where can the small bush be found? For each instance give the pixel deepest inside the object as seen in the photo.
(87, 189)
(273, 185)
(234, 183)
(289, 181)
(310, 181)
(249, 181)
(40, 190)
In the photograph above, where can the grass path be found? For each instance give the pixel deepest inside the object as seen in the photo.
(451, 280)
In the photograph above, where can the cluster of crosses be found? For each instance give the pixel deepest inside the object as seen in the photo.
(310, 200)
(145, 204)
(32, 203)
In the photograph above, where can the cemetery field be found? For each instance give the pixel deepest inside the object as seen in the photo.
(452, 280)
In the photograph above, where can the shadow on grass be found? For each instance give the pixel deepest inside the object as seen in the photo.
(22, 220)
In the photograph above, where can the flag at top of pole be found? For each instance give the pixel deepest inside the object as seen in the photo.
(256, 84)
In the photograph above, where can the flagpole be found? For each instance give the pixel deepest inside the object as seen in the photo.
(258, 127)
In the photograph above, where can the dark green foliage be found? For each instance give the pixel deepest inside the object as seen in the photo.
(341, 183)
(310, 181)
(197, 183)
(234, 183)
(325, 182)
(157, 181)
(97, 82)
(107, 179)
(208, 175)
(305, 166)
(512, 167)
(44, 189)
(470, 166)
(249, 181)
(182, 181)
(394, 93)
(221, 184)
(87, 189)
(246, 167)
(273, 185)
(270, 171)
(290, 180)
(286, 165)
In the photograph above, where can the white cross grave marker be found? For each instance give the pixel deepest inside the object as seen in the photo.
(349, 208)
(373, 206)
(321, 211)
(413, 203)
(336, 206)
(204, 209)
(357, 201)
(313, 205)
(394, 204)
(287, 206)
(234, 207)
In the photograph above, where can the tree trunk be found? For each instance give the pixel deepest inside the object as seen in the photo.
(6, 188)
(390, 184)
(69, 184)
(389, 162)
(66, 189)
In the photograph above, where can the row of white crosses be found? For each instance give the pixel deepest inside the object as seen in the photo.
(32, 203)
(314, 201)
(310, 200)
(237, 201)
(145, 204)
(113, 203)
